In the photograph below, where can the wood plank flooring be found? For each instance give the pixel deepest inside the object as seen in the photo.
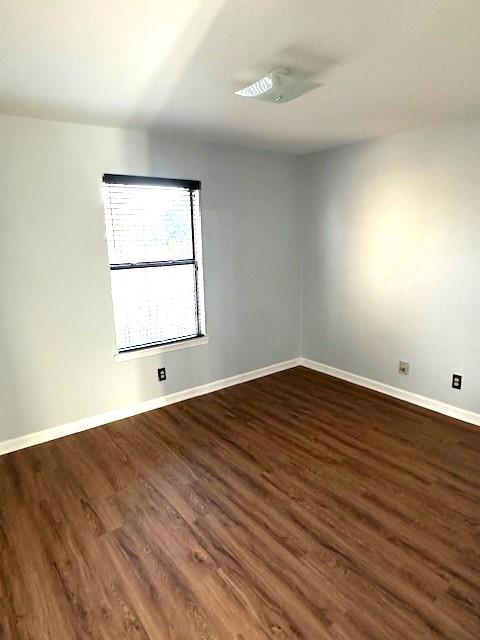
(293, 507)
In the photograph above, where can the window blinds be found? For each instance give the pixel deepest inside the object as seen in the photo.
(154, 245)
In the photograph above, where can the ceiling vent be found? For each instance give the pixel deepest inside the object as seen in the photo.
(279, 86)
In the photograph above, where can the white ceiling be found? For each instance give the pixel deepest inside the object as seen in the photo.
(387, 65)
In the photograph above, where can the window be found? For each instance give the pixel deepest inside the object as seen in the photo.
(154, 247)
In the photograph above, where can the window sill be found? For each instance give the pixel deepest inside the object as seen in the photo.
(153, 351)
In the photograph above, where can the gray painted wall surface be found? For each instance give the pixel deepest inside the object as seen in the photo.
(391, 270)
(356, 257)
(56, 318)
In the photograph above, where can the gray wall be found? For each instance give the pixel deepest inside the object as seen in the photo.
(389, 231)
(391, 269)
(56, 323)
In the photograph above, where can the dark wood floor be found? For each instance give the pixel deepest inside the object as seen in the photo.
(295, 507)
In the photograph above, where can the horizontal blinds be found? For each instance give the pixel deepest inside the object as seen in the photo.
(147, 223)
(154, 305)
(151, 223)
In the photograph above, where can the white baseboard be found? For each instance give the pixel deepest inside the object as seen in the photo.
(395, 392)
(53, 433)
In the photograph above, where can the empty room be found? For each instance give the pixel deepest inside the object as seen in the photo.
(240, 320)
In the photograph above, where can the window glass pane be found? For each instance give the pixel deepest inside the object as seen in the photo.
(147, 223)
(154, 304)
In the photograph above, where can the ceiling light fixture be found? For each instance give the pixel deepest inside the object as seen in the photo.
(279, 86)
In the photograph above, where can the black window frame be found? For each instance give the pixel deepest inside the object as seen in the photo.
(192, 186)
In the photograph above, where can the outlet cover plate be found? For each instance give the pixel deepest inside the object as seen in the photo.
(456, 381)
(403, 368)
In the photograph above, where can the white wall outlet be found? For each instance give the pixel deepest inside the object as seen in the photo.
(403, 368)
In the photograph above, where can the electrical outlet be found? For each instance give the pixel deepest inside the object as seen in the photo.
(162, 374)
(456, 381)
(403, 368)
